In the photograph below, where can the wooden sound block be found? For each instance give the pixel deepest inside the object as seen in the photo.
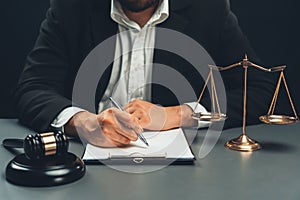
(50, 171)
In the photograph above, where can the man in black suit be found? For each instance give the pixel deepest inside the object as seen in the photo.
(73, 28)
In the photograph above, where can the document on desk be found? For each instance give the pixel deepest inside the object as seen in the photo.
(164, 146)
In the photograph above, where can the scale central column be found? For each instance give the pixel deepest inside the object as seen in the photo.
(243, 142)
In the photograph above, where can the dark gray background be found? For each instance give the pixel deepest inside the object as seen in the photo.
(271, 26)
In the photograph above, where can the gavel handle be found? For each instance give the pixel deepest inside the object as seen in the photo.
(13, 143)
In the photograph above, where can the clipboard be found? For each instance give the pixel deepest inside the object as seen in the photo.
(165, 147)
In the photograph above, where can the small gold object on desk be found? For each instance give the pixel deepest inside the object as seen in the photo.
(244, 142)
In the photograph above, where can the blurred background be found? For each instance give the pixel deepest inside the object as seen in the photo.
(273, 28)
(20, 21)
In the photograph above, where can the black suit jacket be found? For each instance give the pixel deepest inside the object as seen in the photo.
(73, 28)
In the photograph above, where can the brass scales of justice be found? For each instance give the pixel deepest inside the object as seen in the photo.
(244, 142)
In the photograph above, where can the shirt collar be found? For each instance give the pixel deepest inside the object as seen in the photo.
(159, 16)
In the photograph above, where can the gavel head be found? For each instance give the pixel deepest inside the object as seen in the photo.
(42, 145)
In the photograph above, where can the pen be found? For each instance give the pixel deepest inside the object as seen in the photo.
(140, 135)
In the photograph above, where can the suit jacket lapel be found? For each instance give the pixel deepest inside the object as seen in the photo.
(178, 23)
(103, 26)
(174, 22)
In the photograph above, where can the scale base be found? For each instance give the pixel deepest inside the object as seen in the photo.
(243, 143)
(55, 170)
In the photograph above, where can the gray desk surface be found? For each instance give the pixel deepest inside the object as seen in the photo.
(271, 173)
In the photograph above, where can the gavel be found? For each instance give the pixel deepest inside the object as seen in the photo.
(45, 161)
(40, 145)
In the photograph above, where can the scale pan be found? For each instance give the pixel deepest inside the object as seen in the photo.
(278, 119)
(210, 117)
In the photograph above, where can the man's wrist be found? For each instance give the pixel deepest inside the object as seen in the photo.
(198, 108)
(179, 116)
(64, 117)
(186, 116)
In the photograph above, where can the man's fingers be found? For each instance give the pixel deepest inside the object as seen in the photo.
(128, 121)
(129, 134)
(118, 135)
(129, 109)
(126, 132)
(122, 116)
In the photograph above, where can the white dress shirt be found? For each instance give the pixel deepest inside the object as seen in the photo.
(131, 71)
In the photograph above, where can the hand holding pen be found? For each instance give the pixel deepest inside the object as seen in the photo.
(140, 135)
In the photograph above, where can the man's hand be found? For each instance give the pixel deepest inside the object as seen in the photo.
(150, 116)
(153, 117)
(110, 128)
